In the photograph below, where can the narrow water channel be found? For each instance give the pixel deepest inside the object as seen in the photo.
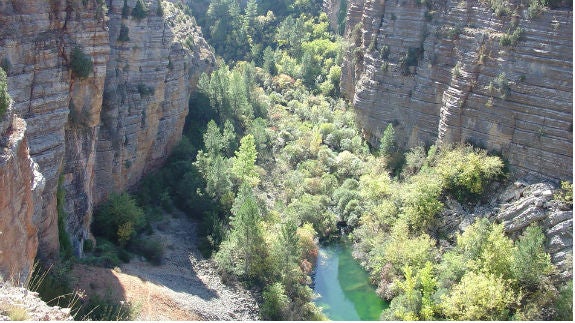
(343, 285)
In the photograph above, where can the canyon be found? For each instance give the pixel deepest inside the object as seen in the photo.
(440, 72)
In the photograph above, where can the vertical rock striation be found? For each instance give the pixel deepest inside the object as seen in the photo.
(20, 184)
(149, 81)
(96, 133)
(454, 71)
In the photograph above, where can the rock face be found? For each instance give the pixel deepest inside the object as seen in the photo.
(454, 71)
(148, 84)
(100, 133)
(20, 184)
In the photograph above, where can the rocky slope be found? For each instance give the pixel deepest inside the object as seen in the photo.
(517, 205)
(17, 303)
(453, 71)
(94, 135)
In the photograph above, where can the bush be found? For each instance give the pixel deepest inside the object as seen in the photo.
(466, 171)
(152, 249)
(125, 10)
(4, 96)
(140, 11)
(124, 30)
(118, 219)
(479, 296)
(80, 63)
(275, 303)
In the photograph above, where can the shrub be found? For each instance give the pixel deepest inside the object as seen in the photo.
(511, 38)
(479, 296)
(564, 304)
(275, 303)
(145, 90)
(140, 11)
(531, 264)
(4, 96)
(124, 30)
(465, 170)
(565, 194)
(15, 313)
(119, 219)
(152, 249)
(80, 63)
(125, 10)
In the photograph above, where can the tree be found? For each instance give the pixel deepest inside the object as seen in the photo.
(119, 218)
(531, 264)
(244, 163)
(4, 96)
(387, 144)
(140, 11)
(244, 251)
(479, 296)
(270, 61)
(80, 63)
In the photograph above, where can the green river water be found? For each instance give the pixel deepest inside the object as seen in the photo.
(343, 285)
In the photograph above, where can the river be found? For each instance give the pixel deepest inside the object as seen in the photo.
(343, 285)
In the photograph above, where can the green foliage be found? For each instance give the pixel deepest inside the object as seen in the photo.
(466, 171)
(125, 10)
(479, 296)
(511, 38)
(80, 63)
(531, 264)
(140, 11)
(387, 143)
(118, 219)
(500, 7)
(244, 163)
(66, 251)
(124, 31)
(145, 90)
(565, 194)
(151, 248)
(275, 302)
(243, 252)
(4, 96)
(536, 7)
(6, 65)
(564, 303)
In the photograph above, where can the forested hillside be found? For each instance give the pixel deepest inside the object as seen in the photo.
(273, 162)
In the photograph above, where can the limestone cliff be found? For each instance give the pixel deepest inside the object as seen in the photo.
(100, 132)
(20, 184)
(454, 71)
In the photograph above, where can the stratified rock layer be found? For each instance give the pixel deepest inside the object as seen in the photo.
(450, 72)
(97, 134)
(20, 183)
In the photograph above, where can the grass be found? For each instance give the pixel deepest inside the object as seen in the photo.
(14, 312)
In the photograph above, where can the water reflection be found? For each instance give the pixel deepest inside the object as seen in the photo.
(346, 294)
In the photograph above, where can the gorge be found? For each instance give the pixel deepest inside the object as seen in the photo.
(100, 91)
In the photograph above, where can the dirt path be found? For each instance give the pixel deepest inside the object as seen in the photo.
(184, 287)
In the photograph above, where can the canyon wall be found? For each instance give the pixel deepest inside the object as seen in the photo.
(446, 72)
(454, 71)
(97, 133)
